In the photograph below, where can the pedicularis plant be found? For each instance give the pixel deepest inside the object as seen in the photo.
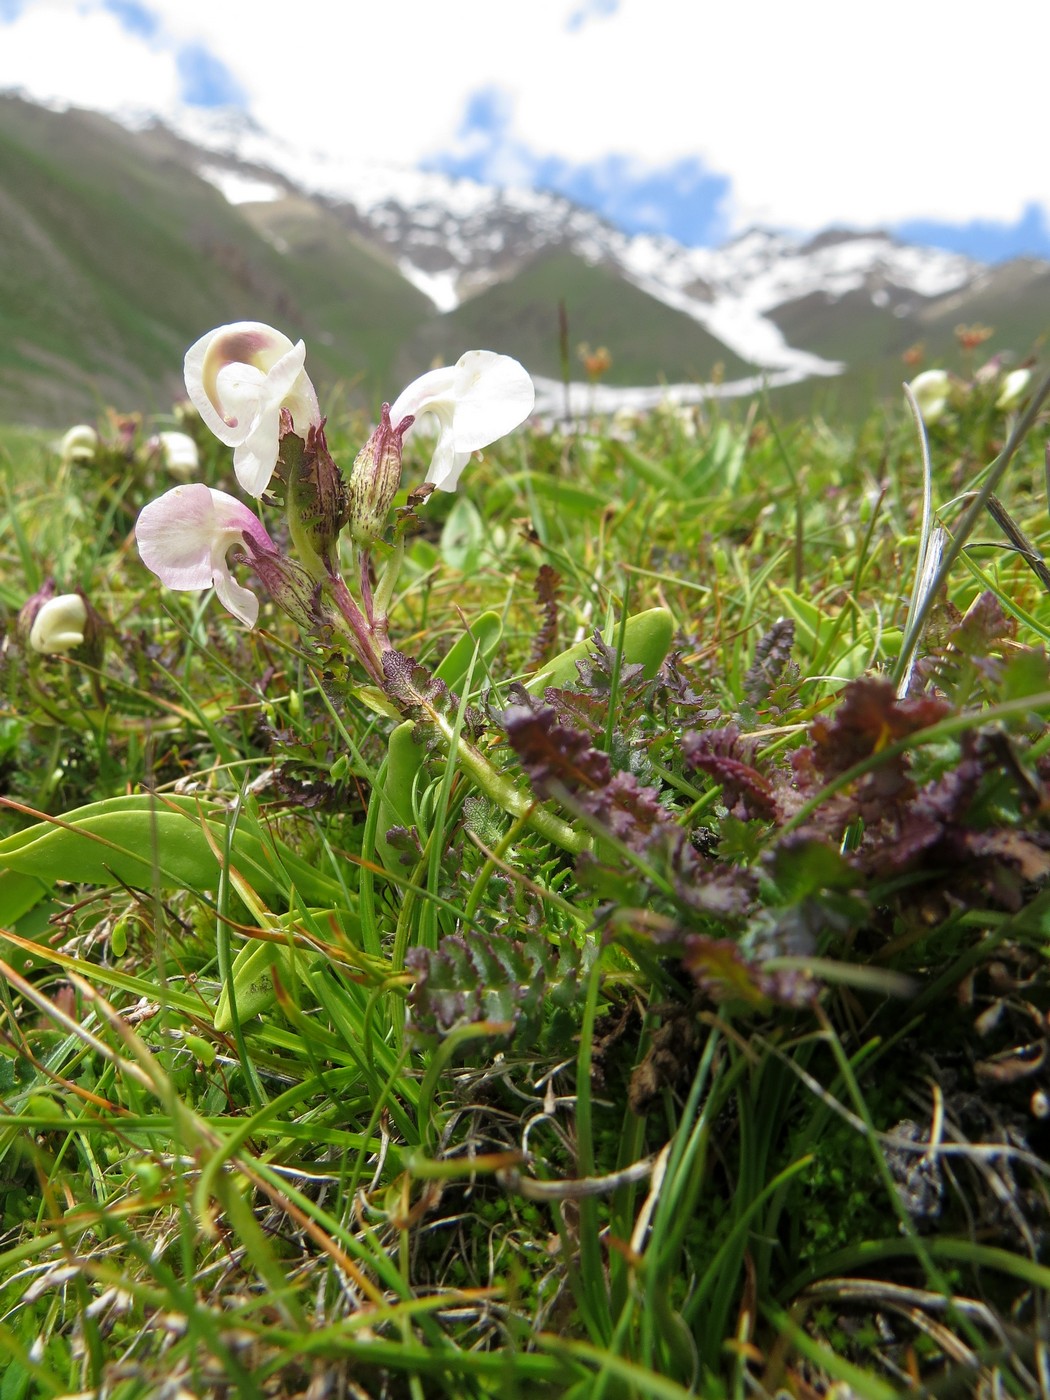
(396, 1001)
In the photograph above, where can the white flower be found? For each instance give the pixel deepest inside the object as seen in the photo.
(1013, 390)
(178, 451)
(79, 444)
(239, 377)
(184, 537)
(474, 401)
(931, 389)
(59, 624)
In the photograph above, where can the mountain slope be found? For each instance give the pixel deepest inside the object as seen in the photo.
(520, 316)
(116, 258)
(120, 244)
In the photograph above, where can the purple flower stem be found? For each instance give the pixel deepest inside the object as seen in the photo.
(364, 557)
(367, 652)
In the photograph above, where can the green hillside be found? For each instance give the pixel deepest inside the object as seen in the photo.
(648, 341)
(356, 308)
(115, 255)
(1012, 299)
(115, 258)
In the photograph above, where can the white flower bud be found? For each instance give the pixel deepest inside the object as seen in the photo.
(59, 625)
(931, 393)
(1013, 389)
(178, 452)
(79, 445)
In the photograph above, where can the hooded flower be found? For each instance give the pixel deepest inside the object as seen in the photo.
(475, 401)
(239, 377)
(184, 537)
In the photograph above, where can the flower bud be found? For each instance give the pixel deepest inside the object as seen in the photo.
(1014, 387)
(374, 479)
(288, 584)
(315, 496)
(60, 624)
(80, 444)
(931, 393)
(178, 451)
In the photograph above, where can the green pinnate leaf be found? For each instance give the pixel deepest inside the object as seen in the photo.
(476, 977)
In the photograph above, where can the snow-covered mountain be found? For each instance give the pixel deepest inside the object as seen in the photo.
(382, 269)
(452, 238)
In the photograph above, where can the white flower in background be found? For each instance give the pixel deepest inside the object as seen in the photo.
(78, 445)
(239, 377)
(1014, 388)
(178, 451)
(185, 535)
(931, 390)
(59, 625)
(474, 402)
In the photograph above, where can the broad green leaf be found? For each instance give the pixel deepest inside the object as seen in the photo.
(254, 969)
(146, 842)
(18, 894)
(484, 634)
(463, 536)
(647, 640)
(404, 759)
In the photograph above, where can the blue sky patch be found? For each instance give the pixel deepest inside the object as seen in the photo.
(135, 18)
(588, 10)
(206, 81)
(987, 240)
(488, 113)
(10, 10)
(682, 200)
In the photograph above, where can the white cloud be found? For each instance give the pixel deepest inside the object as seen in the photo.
(65, 50)
(819, 111)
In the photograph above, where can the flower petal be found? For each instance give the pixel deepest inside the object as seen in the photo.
(235, 598)
(184, 536)
(444, 475)
(175, 534)
(255, 458)
(436, 384)
(243, 342)
(239, 377)
(931, 389)
(475, 401)
(80, 444)
(289, 384)
(493, 394)
(178, 450)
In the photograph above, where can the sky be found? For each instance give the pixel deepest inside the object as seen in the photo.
(693, 118)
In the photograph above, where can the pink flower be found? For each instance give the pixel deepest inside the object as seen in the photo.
(185, 535)
(475, 401)
(239, 377)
